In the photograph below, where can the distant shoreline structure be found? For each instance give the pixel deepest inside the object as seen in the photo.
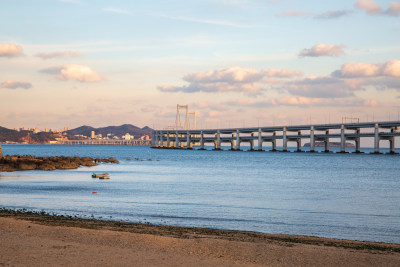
(331, 144)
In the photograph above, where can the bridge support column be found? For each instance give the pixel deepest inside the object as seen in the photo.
(299, 141)
(201, 140)
(376, 139)
(284, 140)
(357, 140)
(218, 140)
(188, 141)
(157, 140)
(237, 140)
(233, 142)
(391, 141)
(153, 139)
(259, 139)
(274, 141)
(168, 140)
(326, 142)
(252, 142)
(161, 139)
(342, 140)
(312, 139)
(176, 140)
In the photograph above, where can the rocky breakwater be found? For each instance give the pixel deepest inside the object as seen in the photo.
(20, 163)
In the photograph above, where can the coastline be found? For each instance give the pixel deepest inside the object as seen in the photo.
(81, 239)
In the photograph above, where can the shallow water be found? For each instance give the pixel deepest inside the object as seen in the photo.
(349, 196)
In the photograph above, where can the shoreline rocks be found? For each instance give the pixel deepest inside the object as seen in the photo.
(27, 162)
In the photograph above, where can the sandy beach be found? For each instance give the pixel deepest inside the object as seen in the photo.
(43, 240)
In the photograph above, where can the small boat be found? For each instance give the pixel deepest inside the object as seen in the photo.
(101, 176)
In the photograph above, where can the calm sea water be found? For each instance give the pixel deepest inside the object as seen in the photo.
(347, 196)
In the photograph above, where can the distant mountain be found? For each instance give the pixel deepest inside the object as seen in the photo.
(113, 130)
(83, 130)
(26, 136)
(8, 135)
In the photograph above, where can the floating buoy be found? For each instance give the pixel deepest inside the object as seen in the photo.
(94, 192)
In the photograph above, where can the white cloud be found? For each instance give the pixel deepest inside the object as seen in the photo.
(333, 14)
(369, 6)
(372, 8)
(234, 79)
(229, 75)
(74, 72)
(393, 10)
(64, 54)
(15, 85)
(319, 87)
(10, 50)
(390, 68)
(320, 50)
(281, 73)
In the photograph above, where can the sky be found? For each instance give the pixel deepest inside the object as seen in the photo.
(236, 63)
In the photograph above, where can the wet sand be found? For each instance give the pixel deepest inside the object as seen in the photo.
(29, 239)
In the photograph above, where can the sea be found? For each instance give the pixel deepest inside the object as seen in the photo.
(346, 196)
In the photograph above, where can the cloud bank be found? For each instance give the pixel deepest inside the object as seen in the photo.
(320, 50)
(372, 8)
(234, 79)
(15, 85)
(64, 54)
(79, 73)
(10, 50)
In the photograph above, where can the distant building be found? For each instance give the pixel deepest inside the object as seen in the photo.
(127, 136)
(145, 138)
(92, 135)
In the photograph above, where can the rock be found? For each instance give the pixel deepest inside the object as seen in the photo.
(27, 162)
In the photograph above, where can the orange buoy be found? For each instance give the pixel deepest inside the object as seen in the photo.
(94, 192)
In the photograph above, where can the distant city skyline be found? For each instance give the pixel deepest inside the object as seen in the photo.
(235, 63)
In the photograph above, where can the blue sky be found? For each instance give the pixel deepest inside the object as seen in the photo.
(240, 62)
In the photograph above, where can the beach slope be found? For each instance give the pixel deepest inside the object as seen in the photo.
(44, 240)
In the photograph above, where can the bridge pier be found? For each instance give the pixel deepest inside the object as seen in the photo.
(298, 141)
(252, 142)
(237, 140)
(188, 141)
(357, 141)
(312, 139)
(201, 140)
(168, 140)
(217, 143)
(260, 140)
(274, 141)
(233, 142)
(391, 140)
(376, 139)
(176, 140)
(326, 141)
(284, 141)
(342, 140)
